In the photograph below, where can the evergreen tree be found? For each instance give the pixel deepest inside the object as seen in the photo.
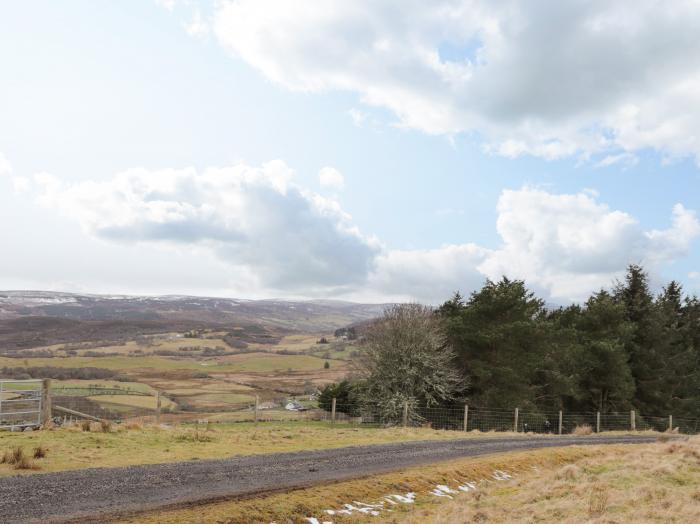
(605, 379)
(500, 342)
(643, 345)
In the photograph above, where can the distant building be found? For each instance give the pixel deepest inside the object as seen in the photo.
(293, 405)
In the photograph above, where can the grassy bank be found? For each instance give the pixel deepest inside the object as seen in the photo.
(622, 484)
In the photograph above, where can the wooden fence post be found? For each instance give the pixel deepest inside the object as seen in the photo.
(405, 413)
(561, 417)
(257, 401)
(45, 401)
(158, 404)
(333, 411)
(466, 416)
(597, 422)
(633, 422)
(670, 422)
(515, 422)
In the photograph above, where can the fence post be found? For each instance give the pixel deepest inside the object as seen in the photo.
(597, 421)
(158, 407)
(633, 422)
(333, 411)
(670, 422)
(466, 416)
(405, 413)
(45, 401)
(515, 422)
(257, 401)
(561, 417)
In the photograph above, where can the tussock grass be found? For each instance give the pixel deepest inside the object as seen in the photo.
(195, 436)
(16, 458)
(647, 483)
(582, 430)
(40, 452)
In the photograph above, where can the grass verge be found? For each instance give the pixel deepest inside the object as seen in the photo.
(618, 484)
(130, 444)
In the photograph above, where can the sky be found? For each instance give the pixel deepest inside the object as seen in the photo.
(373, 150)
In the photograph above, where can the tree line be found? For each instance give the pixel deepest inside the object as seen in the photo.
(623, 348)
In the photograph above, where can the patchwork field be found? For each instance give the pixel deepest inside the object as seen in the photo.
(194, 371)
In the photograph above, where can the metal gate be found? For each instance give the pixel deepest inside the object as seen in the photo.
(20, 403)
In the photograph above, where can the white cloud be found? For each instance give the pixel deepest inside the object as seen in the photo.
(168, 5)
(255, 219)
(624, 159)
(5, 166)
(551, 79)
(428, 275)
(358, 117)
(570, 245)
(331, 178)
(285, 240)
(21, 184)
(197, 27)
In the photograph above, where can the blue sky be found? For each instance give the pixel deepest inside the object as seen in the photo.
(468, 148)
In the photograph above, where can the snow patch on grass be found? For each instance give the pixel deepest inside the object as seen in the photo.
(386, 503)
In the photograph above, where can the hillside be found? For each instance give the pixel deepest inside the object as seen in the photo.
(40, 318)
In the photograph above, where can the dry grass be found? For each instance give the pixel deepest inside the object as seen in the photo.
(16, 458)
(619, 484)
(583, 430)
(12, 456)
(40, 452)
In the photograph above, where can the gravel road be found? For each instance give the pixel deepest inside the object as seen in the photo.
(94, 495)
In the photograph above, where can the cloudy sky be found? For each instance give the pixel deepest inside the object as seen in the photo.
(368, 150)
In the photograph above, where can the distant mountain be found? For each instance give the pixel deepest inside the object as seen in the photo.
(307, 316)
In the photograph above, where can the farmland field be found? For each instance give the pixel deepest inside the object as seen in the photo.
(201, 373)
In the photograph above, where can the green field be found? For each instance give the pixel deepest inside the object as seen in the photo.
(257, 362)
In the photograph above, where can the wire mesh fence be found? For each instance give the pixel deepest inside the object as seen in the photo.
(118, 404)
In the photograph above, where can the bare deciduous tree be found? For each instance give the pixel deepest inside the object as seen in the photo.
(406, 358)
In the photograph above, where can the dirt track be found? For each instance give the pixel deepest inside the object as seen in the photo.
(94, 495)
